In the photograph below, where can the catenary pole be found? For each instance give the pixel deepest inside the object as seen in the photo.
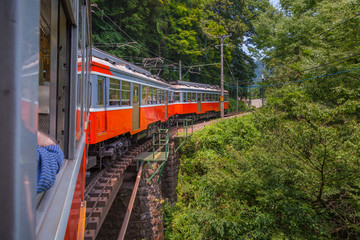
(180, 70)
(222, 39)
(237, 95)
(262, 78)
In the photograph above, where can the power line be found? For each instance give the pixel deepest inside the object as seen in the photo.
(103, 13)
(302, 80)
(328, 30)
(325, 64)
(202, 65)
(321, 65)
(237, 86)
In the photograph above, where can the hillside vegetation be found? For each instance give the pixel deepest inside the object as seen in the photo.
(289, 171)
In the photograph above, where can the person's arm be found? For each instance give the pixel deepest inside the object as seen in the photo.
(49, 160)
(44, 140)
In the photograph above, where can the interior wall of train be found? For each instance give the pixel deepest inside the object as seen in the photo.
(45, 59)
(19, 48)
(65, 36)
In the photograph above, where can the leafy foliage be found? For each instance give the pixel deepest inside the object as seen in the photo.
(289, 171)
(178, 30)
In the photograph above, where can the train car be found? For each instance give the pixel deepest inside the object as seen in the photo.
(129, 103)
(41, 91)
(93, 104)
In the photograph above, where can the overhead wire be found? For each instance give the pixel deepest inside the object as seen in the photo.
(328, 30)
(321, 65)
(103, 13)
(302, 80)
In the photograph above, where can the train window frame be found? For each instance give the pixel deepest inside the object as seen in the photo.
(114, 90)
(144, 94)
(171, 97)
(162, 96)
(157, 94)
(127, 91)
(193, 97)
(100, 101)
(176, 97)
(203, 97)
(150, 95)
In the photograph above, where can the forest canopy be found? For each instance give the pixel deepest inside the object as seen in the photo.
(179, 30)
(291, 169)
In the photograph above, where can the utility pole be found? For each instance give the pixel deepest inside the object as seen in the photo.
(180, 70)
(222, 39)
(249, 94)
(262, 78)
(237, 95)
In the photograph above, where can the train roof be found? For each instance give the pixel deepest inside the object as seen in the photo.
(194, 84)
(123, 66)
(114, 60)
(131, 69)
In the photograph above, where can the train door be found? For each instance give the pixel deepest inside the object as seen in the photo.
(166, 103)
(136, 107)
(198, 102)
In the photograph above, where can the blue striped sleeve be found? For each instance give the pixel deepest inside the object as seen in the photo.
(49, 160)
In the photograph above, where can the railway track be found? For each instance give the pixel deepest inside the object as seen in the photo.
(102, 190)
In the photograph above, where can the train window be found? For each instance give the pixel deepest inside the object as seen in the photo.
(100, 92)
(162, 96)
(186, 97)
(144, 95)
(150, 95)
(154, 97)
(198, 97)
(114, 92)
(193, 97)
(44, 68)
(79, 120)
(171, 97)
(204, 97)
(157, 95)
(177, 97)
(78, 108)
(125, 94)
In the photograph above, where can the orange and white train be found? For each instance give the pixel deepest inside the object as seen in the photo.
(128, 103)
(93, 104)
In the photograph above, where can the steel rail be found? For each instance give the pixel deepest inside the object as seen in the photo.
(131, 204)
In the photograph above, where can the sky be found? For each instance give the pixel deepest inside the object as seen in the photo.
(274, 2)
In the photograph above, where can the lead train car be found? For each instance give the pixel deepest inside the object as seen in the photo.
(128, 103)
(40, 90)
